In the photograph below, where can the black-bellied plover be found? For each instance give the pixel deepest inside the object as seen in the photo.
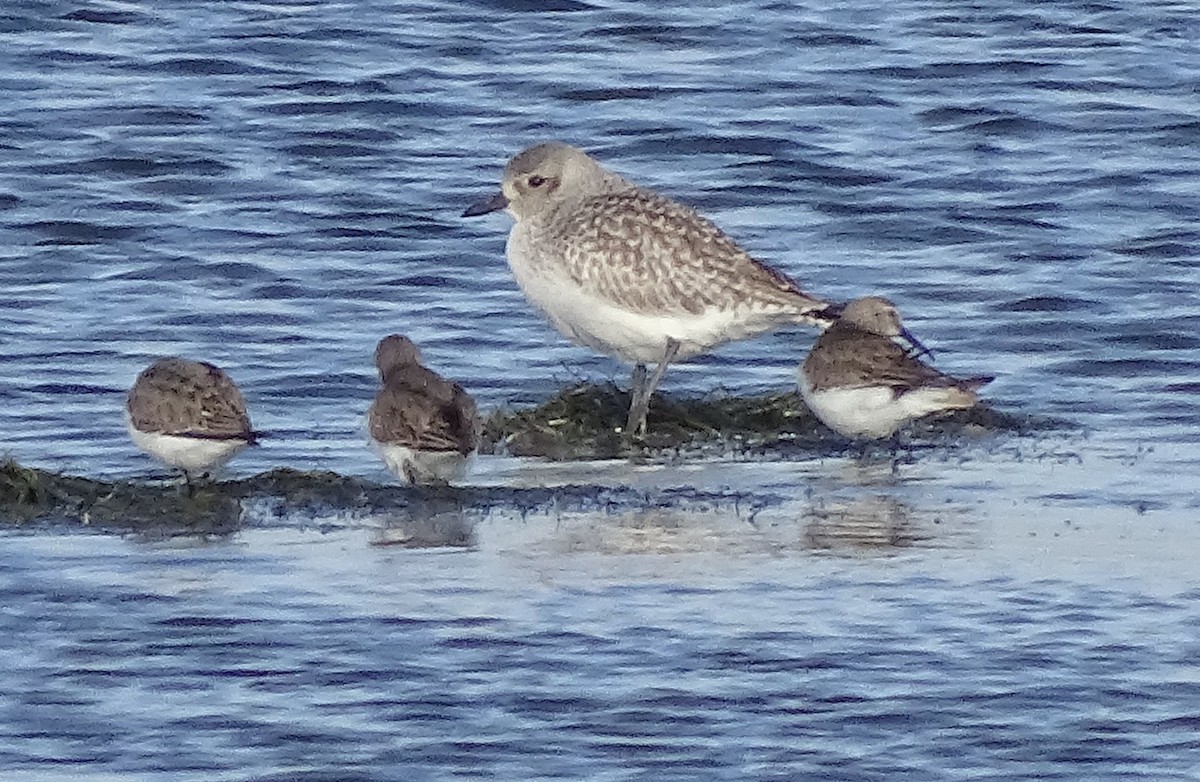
(188, 415)
(860, 383)
(631, 273)
(424, 426)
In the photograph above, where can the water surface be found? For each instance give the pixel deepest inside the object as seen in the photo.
(274, 186)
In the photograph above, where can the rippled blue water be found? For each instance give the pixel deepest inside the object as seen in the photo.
(274, 186)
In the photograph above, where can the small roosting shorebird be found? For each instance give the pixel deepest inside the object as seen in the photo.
(633, 274)
(188, 415)
(860, 383)
(424, 426)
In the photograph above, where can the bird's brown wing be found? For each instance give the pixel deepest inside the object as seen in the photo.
(464, 418)
(188, 399)
(419, 409)
(856, 359)
(662, 255)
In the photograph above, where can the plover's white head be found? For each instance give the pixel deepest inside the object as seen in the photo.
(540, 178)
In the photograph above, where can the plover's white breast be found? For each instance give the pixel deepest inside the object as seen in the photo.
(635, 335)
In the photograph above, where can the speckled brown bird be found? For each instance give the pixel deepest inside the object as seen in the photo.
(633, 274)
(860, 383)
(188, 415)
(424, 427)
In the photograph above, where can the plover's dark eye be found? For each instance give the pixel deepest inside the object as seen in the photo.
(537, 181)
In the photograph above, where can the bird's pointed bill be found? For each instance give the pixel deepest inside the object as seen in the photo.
(916, 348)
(493, 203)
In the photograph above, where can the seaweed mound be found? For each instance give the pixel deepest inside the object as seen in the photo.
(586, 421)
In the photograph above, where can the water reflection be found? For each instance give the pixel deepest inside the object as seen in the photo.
(650, 531)
(867, 523)
(428, 521)
(874, 522)
(869, 504)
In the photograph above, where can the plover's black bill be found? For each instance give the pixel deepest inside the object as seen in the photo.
(493, 203)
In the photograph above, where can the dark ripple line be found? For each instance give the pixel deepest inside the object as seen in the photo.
(138, 167)
(98, 16)
(205, 66)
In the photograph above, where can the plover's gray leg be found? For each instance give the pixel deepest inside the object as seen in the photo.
(637, 388)
(639, 405)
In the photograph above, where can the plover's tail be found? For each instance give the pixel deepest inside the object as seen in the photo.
(806, 308)
(976, 383)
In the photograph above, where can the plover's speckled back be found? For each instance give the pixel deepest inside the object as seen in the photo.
(859, 382)
(633, 274)
(424, 426)
(189, 415)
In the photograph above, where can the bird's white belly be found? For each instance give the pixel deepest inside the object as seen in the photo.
(191, 454)
(422, 467)
(628, 335)
(873, 412)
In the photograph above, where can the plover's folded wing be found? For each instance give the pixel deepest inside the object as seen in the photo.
(647, 253)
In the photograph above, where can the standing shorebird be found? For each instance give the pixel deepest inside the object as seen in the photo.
(860, 383)
(188, 415)
(424, 426)
(633, 274)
